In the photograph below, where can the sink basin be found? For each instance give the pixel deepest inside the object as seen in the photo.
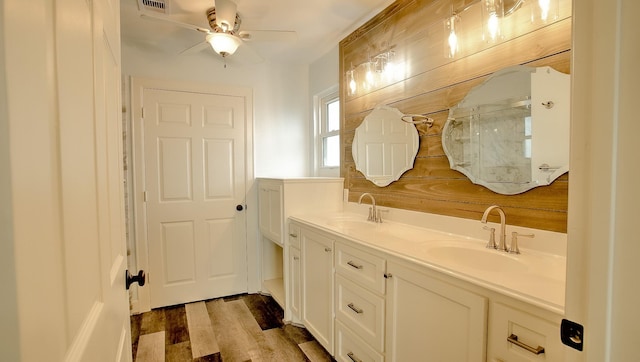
(351, 223)
(484, 259)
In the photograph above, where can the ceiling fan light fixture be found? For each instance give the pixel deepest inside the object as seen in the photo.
(224, 43)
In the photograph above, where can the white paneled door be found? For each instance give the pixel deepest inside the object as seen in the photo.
(194, 169)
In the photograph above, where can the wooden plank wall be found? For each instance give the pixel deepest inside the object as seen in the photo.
(431, 84)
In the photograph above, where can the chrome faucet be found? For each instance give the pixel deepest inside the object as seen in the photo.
(503, 225)
(373, 213)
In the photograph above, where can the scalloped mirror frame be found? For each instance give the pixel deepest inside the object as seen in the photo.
(542, 94)
(385, 147)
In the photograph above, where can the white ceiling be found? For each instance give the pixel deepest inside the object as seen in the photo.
(319, 24)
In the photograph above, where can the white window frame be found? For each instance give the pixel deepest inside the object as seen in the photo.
(320, 102)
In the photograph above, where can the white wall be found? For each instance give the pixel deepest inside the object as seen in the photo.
(323, 74)
(280, 98)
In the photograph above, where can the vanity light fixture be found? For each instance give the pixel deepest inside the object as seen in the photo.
(492, 14)
(451, 42)
(376, 70)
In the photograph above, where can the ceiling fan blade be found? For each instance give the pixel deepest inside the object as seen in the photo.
(269, 35)
(247, 55)
(149, 16)
(226, 14)
(196, 48)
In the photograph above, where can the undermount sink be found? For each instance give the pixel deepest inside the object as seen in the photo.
(350, 223)
(484, 259)
(391, 230)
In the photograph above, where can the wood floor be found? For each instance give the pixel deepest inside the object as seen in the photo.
(241, 328)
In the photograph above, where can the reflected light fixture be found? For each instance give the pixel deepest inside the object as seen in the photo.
(492, 14)
(351, 82)
(224, 44)
(451, 37)
(546, 10)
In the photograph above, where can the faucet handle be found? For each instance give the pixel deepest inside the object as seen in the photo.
(492, 238)
(379, 214)
(513, 247)
(371, 216)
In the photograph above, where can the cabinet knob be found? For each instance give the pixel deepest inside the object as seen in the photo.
(239, 207)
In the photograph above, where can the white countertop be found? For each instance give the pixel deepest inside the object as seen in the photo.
(533, 276)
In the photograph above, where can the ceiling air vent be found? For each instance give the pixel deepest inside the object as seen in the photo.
(159, 6)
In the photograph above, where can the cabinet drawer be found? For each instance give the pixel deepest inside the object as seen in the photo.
(510, 323)
(351, 348)
(361, 310)
(294, 235)
(361, 267)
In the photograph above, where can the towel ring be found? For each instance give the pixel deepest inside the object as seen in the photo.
(417, 119)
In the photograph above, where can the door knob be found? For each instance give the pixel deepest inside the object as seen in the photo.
(130, 279)
(239, 207)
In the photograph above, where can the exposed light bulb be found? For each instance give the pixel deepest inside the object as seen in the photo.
(545, 5)
(493, 26)
(352, 82)
(452, 39)
(492, 13)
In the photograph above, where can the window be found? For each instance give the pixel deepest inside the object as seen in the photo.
(328, 130)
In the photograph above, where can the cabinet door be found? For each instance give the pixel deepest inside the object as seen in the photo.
(270, 212)
(294, 283)
(430, 320)
(317, 286)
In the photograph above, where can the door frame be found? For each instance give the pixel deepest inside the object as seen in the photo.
(140, 297)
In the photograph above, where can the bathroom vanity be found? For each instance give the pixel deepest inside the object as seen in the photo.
(395, 292)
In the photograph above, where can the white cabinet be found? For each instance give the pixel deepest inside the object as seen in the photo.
(270, 211)
(281, 198)
(523, 334)
(278, 199)
(317, 286)
(295, 268)
(429, 319)
(364, 304)
(360, 304)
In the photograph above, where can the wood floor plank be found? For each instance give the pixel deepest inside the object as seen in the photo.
(232, 339)
(136, 321)
(178, 352)
(152, 321)
(176, 328)
(257, 347)
(281, 348)
(262, 312)
(151, 347)
(203, 339)
(315, 352)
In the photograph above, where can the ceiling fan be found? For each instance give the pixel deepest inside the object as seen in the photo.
(225, 35)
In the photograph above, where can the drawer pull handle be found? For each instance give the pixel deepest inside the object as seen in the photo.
(355, 309)
(327, 249)
(293, 235)
(353, 357)
(514, 339)
(354, 265)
